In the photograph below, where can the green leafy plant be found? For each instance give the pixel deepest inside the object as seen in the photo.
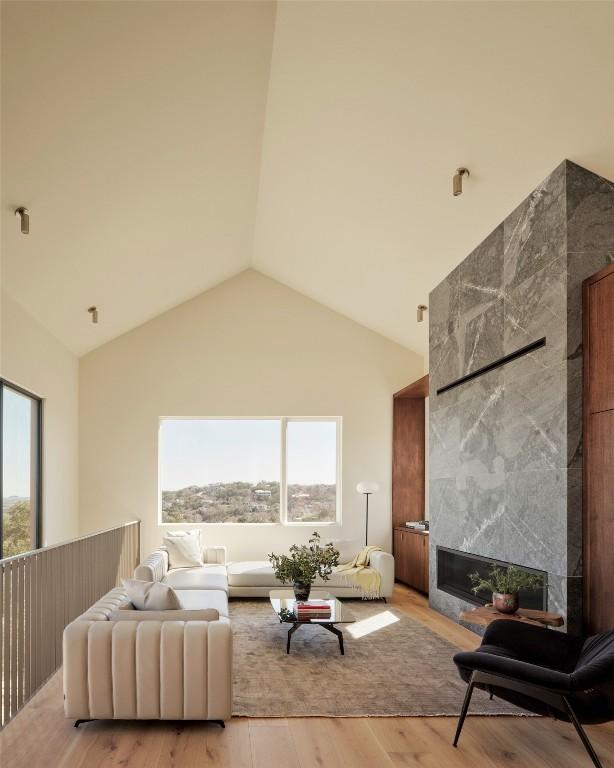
(305, 562)
(506, 581)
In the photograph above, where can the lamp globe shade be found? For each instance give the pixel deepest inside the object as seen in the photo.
(366, 487)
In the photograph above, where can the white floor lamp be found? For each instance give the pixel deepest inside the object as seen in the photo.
(367, 489)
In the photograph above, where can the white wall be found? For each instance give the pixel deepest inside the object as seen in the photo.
(38, 362)
(250, 347)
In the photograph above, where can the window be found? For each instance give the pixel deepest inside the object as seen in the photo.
(249, 470)
(20, 475)
(311, 465)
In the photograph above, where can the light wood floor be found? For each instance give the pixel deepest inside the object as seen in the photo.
(40, 736)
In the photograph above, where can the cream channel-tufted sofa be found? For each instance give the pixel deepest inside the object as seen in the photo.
(149, 668)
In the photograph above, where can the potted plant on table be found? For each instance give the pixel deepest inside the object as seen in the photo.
(303, 564)
(505, 584)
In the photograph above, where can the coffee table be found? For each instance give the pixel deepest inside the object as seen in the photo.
(284, 604)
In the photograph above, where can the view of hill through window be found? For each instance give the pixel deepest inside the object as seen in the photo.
(229, 471)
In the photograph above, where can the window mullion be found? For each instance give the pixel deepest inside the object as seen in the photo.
(283, 490)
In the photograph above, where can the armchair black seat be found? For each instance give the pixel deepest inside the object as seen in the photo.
(543, 671)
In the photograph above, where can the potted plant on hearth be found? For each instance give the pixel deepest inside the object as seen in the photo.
(303, 564)
(505, 584)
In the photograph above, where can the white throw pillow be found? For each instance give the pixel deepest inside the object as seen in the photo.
(195, 532)
(179, 534)
(348, 549)
(151, 595)
(183, 551)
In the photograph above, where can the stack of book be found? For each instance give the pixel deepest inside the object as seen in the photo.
(312, 610)
(418, 525)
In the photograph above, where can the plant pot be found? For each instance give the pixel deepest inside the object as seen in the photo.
(301, 590)
(505, 603)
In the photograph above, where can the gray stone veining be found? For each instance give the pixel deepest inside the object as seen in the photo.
(505, 469)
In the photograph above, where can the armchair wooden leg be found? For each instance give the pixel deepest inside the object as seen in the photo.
(463, 713)
(582, 734)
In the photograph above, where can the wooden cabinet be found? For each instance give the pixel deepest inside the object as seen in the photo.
(411, 558)
(411, 548)
(598, 451)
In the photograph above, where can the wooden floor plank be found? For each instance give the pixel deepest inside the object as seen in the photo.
(357, 745)
(230, 747)
(272, 747)
(314, 740)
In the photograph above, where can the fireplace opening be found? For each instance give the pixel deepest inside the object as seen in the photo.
(454, 568)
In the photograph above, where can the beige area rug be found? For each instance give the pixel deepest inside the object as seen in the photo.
(393, 665)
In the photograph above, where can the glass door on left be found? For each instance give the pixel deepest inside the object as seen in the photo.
(20, 479)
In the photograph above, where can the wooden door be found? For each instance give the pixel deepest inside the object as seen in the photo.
(598, 543)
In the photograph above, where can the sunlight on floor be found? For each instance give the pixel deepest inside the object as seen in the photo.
(372, 624)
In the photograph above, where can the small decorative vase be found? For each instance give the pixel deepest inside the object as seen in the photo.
(505, 603)
(302, 590)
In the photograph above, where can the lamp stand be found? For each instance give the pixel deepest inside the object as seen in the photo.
(367, 521)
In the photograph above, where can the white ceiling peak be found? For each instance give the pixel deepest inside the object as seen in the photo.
(164, 147)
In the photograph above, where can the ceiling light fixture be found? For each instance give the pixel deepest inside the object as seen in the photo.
(24, 215)
(422, 308)
(457, 181)
(94, 313)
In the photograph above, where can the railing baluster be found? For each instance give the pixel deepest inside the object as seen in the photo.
(27, 606)
(2, 642)
(14, 628)
(6, 623)
(20, 616)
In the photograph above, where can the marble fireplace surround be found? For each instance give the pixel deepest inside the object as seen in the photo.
(505, 465)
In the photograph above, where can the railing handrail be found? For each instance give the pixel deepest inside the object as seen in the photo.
(69, 541)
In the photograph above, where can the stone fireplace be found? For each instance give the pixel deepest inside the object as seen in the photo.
(505, 445)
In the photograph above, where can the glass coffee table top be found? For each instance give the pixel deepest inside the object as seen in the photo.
(284, 605)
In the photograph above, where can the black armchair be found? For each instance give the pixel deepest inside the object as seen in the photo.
(547, 672)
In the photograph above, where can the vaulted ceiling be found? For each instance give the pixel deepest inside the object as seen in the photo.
(163, 147)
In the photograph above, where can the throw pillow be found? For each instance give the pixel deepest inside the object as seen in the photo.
(183, 551)
(178, 534)
(151, 595)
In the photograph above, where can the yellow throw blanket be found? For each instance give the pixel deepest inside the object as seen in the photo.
(358, 574)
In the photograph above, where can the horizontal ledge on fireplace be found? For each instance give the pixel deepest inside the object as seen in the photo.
(496, 364)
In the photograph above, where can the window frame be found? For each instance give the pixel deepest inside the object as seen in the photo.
(283, 483)
(38, 452)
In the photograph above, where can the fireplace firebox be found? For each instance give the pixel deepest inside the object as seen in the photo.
(454, 567)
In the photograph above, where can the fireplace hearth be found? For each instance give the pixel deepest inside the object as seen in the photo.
(454, 567)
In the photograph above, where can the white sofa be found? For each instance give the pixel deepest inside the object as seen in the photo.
(166, 665)
(144, 668)
(251, 578)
